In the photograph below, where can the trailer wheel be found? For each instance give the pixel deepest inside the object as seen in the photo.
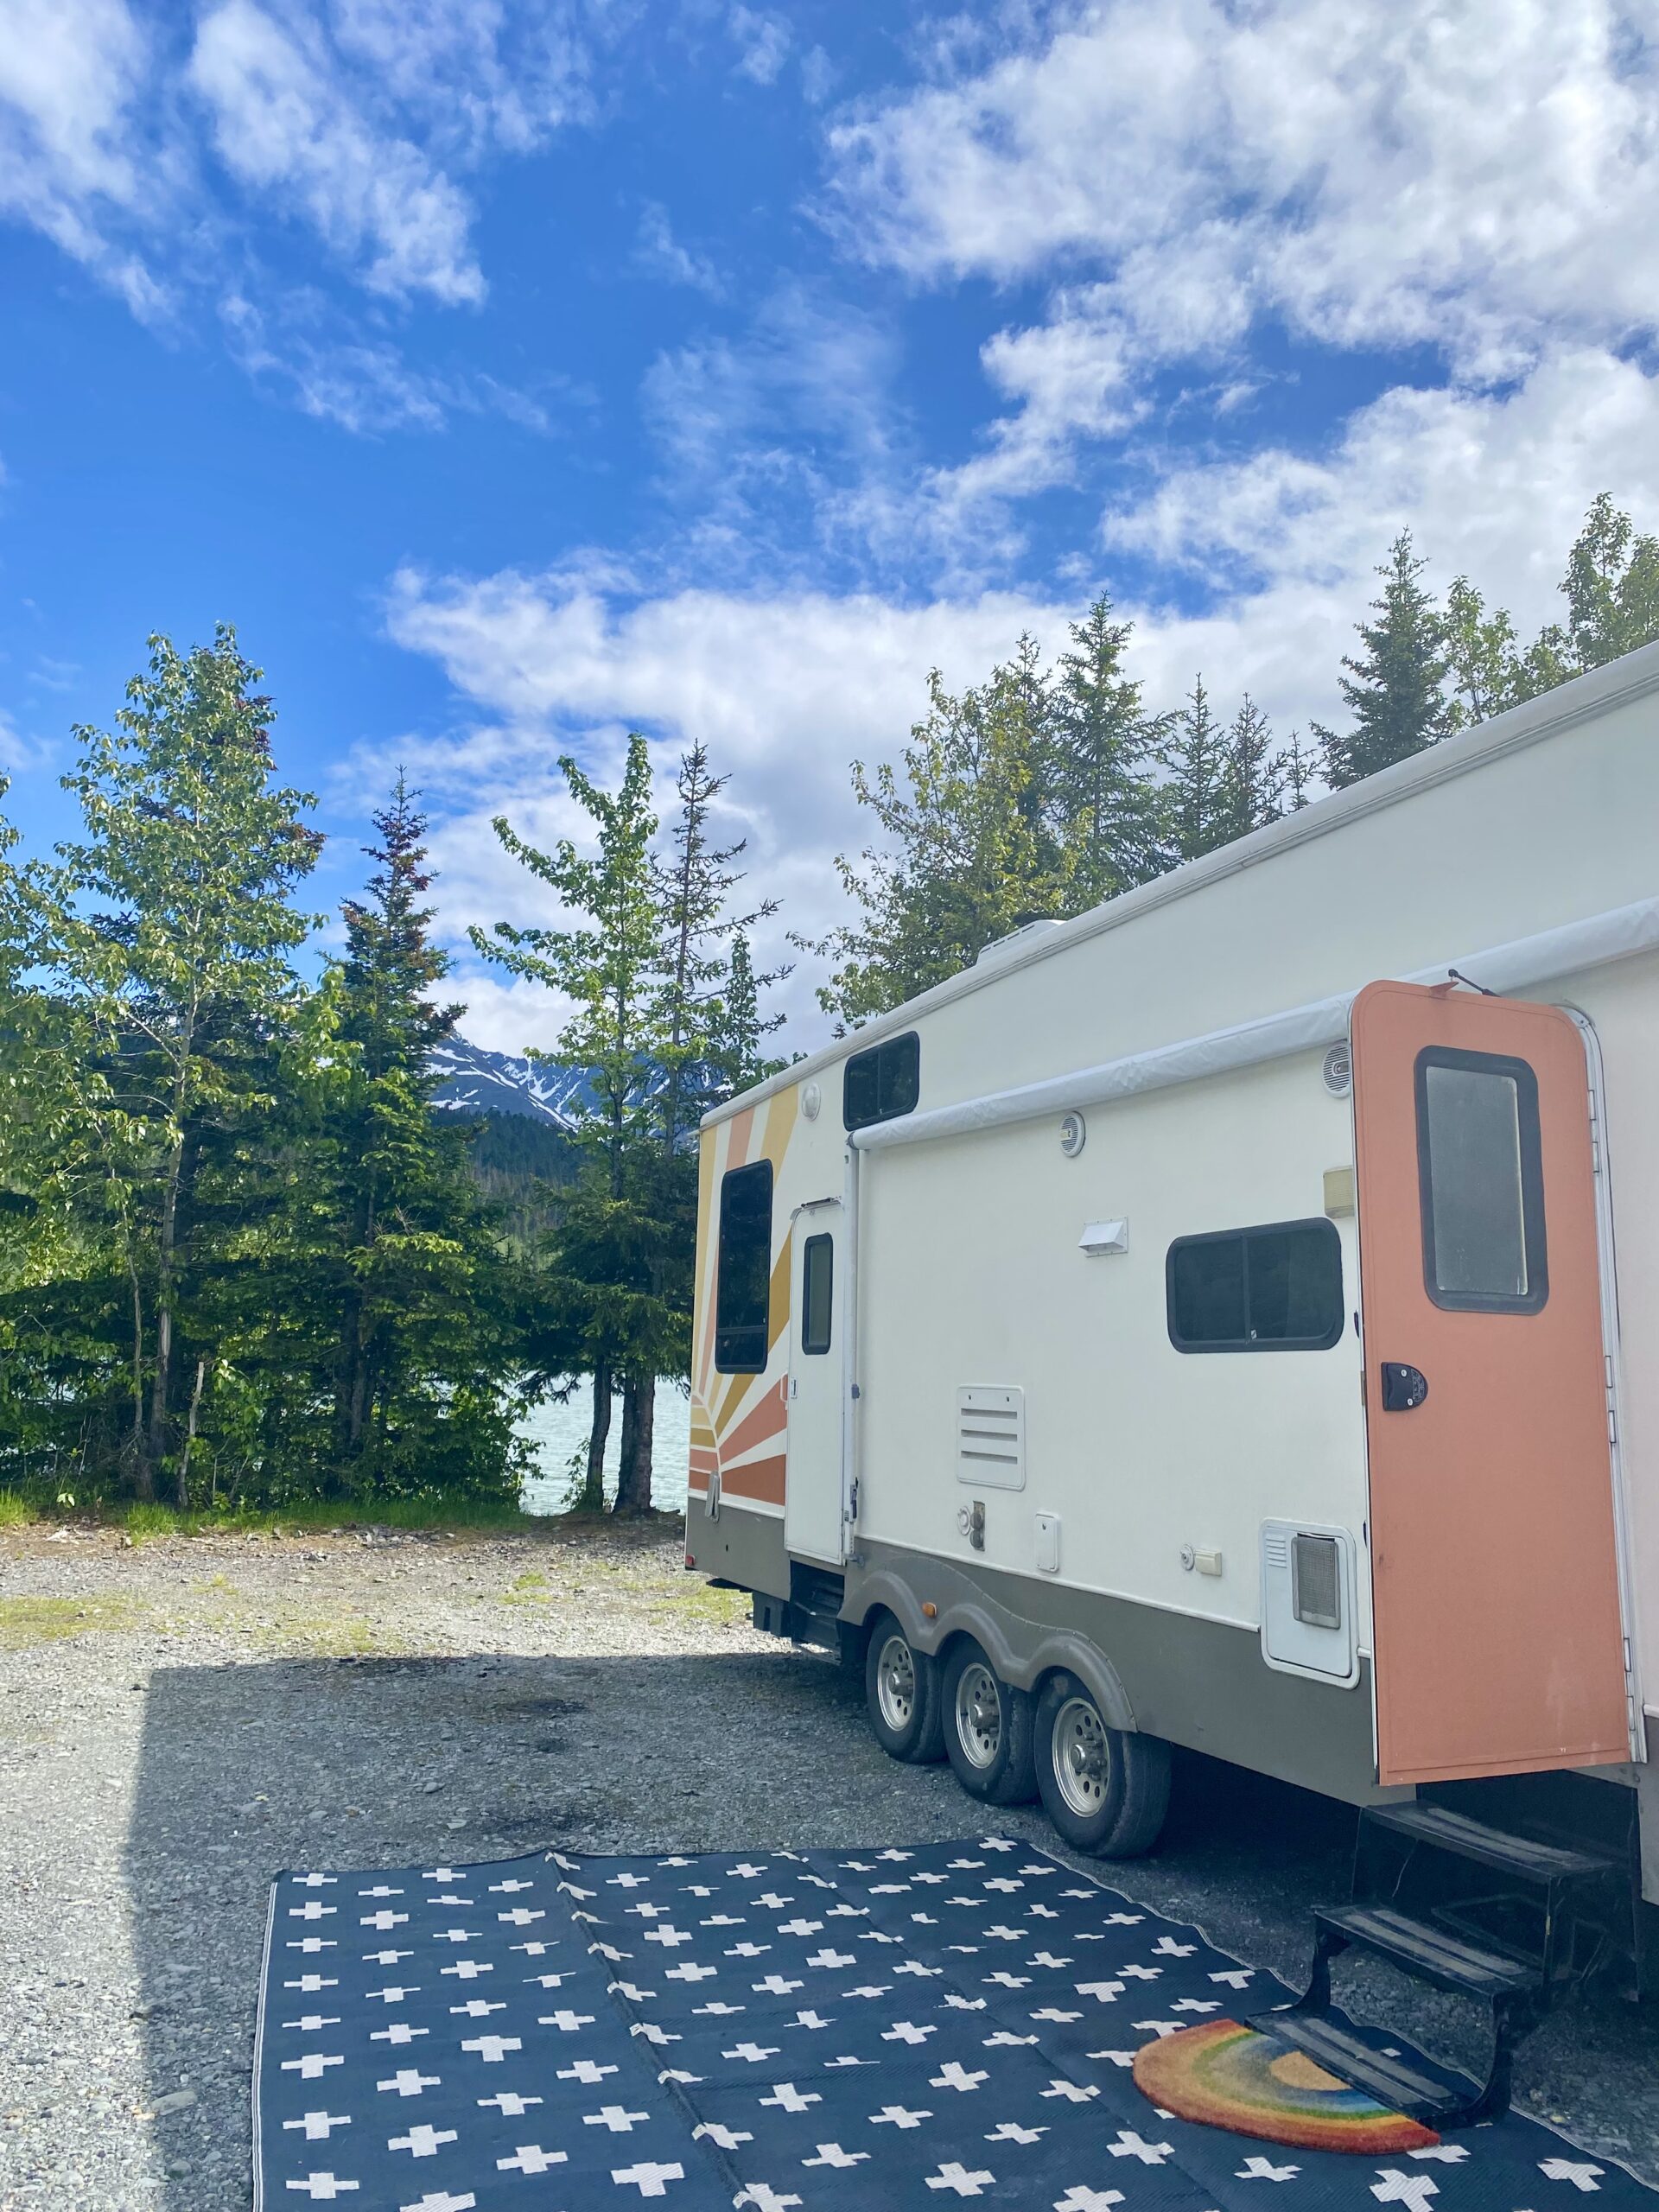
(988, 1729)
(1106, 1790)
(901, 1690)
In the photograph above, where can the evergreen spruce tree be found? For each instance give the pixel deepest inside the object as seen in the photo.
(168, 930)
(1103, 743)
(1196, 795)
(1394, 688)
(420, 1290)
(607, 1317)
(1252, 776)
(1298, 773)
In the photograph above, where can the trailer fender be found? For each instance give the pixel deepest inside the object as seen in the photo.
(1022, 1652)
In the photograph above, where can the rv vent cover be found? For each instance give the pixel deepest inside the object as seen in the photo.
(991, 1438)
(1308, 1600)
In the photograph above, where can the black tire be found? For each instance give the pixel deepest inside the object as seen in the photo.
(1105, 1790)
(988, 1729)
(901, 1695)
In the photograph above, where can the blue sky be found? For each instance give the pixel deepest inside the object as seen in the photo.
(513, 375)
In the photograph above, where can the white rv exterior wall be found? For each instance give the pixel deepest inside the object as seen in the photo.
(972, 1274)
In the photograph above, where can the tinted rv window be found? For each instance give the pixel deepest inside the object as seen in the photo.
(881, 1084)
(1482, 1182)
(742, 1292)
(1274, 1288)
(817, 1291)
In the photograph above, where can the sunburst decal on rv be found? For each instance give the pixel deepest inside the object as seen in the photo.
(738, 1421)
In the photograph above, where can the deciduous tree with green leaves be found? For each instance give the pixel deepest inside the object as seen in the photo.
(966, 852)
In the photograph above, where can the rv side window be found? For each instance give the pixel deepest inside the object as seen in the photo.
(1274, 1288)
(743, 1283)
(817, 1292)
(1482, 1184)
(883, 1083)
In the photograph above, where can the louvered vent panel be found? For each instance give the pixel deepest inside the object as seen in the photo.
(991, 1438)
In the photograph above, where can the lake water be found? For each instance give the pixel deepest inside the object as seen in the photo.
(558, 1431)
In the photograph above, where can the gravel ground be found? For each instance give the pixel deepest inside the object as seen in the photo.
(183, 1719)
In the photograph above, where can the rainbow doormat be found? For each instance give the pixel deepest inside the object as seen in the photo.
(1224, 2075)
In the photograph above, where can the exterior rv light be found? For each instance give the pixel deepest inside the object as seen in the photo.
(930, 1611)
(811, 1100)
(1074, 1135)
(1102, 1237)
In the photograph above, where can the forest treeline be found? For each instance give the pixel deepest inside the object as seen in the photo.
(243, 1261)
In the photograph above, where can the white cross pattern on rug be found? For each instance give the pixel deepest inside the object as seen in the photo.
(978, 1941)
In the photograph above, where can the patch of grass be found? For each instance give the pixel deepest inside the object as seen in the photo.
(142, 1523)
(531, 1589)
(16, 1511)
(328, 1636)
(701, 1601)
(27, 1621)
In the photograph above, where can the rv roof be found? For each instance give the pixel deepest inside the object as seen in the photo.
(1553, 715)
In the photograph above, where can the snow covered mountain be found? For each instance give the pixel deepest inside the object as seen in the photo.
(477, 1081)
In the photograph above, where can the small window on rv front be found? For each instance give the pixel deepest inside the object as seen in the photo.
(817, 1293)
(1481, 1180)
(880, 1084)
(743, 1280)
(1274, 1289)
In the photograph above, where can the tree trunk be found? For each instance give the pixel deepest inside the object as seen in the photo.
(143, 1486)
(638, 1418)
(590, 1498)
(190, 1436)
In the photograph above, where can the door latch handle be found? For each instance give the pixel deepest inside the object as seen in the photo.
(1404, 1387)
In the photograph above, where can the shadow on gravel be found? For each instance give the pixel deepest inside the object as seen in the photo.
(247, 1769)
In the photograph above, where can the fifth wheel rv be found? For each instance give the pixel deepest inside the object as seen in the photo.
(1230, 1319)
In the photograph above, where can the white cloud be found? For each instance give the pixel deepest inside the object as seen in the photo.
(787, 687)
(71, 72)
(1480, 180)
(659, 253)
(365, 385)
(786, 690)
(284, 123)
(481, 75)
(763, 43)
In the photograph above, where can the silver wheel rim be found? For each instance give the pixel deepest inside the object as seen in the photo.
(895, 1684)
(979, 1714)
(1083, 1757)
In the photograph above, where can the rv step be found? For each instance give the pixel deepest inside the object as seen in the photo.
(1430, 1952)
(1520, 1856)
(1393, 2081)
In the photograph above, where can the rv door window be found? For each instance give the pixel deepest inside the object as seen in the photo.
(817, 1288)
(1481, 1182)
(883, 1083)
(1277, 1287)
(743, 1282)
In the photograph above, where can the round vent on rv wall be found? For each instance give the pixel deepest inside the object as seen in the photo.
(1340, 1070)
(811, 1099)
(1074, 1135)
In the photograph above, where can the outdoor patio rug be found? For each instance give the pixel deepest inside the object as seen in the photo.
(835, 2029)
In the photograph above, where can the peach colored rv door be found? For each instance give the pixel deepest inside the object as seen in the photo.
(1498, 1642)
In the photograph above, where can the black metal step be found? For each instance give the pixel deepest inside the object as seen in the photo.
(1394, 2082)
(1522, 1857)
(1430, 1952)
